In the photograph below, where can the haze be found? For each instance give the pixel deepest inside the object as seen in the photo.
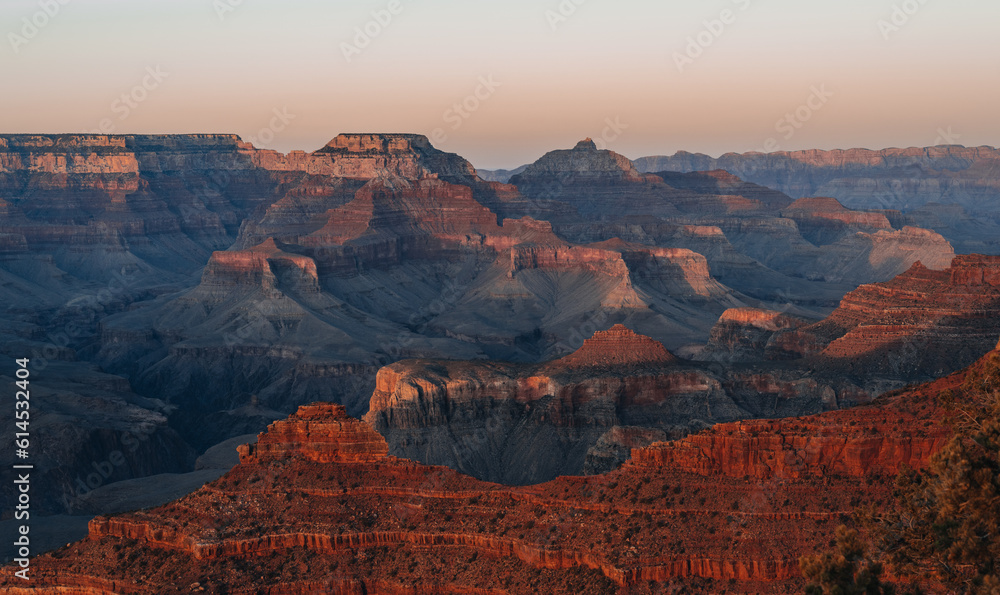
(278, 73)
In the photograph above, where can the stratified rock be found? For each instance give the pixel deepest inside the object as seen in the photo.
(860, 178)
(744, 334)
(721, 182)
(595, 183)
(969, 234)
(732, 508)
(322, 433)
(922, 324)
(618, 346)
(487, 418)
(824, 220)
(615, 446)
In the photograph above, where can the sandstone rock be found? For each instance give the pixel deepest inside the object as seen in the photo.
(322, 433)
(745, 334)
(486, 418)
(922, 324)
(617, 346)
(732, 508)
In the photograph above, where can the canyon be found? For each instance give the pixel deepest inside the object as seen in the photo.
(317, 504)
(488, 419)
(951, 189)
(176, 292)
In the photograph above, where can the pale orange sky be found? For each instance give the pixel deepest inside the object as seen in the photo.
(230, 66)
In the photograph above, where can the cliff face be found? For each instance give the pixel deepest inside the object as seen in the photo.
(747, 334)
(486, 419)
(924, 323)
(950, 189)
(236, 284)
(800, 448)
(721, 182)
(318, 504)
(405, 268)
(162, 201)
(920, 325)
(321, 433)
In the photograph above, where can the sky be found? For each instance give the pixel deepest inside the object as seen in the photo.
(503, 82)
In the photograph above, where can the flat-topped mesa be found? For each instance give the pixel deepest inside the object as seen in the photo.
(617, 346)
(376, 143)
(409, 156)
(321, 433)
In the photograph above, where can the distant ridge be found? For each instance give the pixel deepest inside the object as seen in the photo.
(892, 178)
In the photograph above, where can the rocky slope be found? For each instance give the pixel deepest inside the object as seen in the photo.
(317, 505)
(488, 419)
(754, 225)
(210, 287)
(91, 226)
(922, 324)
(407, 268)
(87, 430)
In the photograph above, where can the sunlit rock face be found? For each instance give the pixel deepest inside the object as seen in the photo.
(317, 505)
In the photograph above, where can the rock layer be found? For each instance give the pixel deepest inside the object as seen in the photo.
(731, 508)
(486, 419)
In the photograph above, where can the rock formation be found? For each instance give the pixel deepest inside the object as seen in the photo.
(922, 324)
(209, 287)
(860, 178)
(318, 505)
(746, 334)
(486, 419)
